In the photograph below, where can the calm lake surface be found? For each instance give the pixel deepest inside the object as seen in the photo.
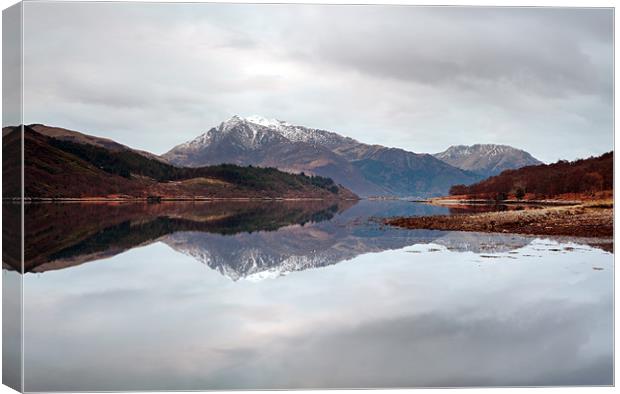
(277, 295)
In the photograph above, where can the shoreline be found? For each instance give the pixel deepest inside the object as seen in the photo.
(165, 199)
(456, 202)
(592, 219)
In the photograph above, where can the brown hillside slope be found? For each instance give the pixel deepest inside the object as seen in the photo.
(585, 176)
(76, 136)
(61, 169)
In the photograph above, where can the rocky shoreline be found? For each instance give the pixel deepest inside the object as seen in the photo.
(591, 219)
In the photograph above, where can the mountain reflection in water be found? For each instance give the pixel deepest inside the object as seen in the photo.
(239, 239)
(294, 295)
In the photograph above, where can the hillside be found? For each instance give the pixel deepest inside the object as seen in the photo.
(63, 168)
(81, 138)
(486, 159)
(365, 169)
(585, 176)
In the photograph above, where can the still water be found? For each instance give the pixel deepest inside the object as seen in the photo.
(275, 295)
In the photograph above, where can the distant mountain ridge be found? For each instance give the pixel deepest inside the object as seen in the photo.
(486, 159)
(365, 169)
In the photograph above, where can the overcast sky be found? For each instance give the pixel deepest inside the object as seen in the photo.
(154, 75)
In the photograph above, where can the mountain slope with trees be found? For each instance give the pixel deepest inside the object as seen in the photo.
(62, 168)
(585, 176)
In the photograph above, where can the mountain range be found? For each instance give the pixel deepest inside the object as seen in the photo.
(366, 170)
(486, 159)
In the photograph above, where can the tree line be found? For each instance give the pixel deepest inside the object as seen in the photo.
(126, 163)
(546, 180)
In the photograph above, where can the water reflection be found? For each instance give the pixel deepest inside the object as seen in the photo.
(152, 318)
(238, 239)
(62, 235)
(304, 295)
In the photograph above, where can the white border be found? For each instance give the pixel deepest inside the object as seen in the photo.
(505, 3)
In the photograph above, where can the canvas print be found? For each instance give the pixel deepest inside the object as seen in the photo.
(203, 196)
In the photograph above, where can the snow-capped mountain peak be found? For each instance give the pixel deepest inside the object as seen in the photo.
(486, 159)
(256, 124)
(367, 169)
(229, 124)
(270, 123)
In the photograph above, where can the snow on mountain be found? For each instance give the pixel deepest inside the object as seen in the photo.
(365, 169)
(296, 133)
(271, 123)
(249, 134)
(258, 126)
(486, 159)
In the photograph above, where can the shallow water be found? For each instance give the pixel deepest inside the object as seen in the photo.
(243, 296)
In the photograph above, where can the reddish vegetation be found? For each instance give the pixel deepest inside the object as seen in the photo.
(589, 181)
(581, 180)
(528, 198)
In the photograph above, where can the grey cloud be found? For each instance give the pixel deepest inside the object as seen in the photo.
(543, 51)
(158, 74)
